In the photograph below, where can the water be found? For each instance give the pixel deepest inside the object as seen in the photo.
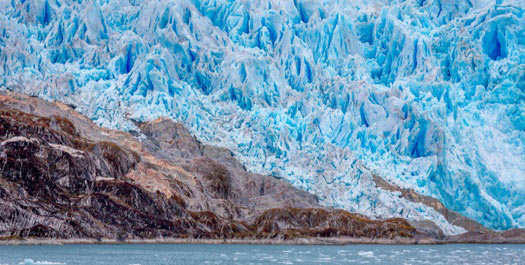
(160, 254)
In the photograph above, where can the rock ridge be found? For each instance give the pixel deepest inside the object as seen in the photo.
(64, 178)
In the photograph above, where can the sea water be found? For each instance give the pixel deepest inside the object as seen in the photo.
(164, 254)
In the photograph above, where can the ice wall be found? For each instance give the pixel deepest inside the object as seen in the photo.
(429, 94)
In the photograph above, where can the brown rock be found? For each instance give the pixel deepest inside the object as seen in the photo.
(63, 177)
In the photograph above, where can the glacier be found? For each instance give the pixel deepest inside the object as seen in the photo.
(428, 94)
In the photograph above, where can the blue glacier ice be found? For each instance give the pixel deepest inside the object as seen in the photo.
(428, 94)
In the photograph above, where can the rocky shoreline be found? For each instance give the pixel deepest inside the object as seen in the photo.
(297, 241)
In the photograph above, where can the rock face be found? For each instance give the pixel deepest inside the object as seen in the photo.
(451, 216)
(63, 177)
(293, 222)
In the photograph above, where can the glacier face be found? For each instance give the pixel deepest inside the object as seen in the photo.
(428, 94)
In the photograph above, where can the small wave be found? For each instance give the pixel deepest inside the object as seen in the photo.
(32, 262)
(367, 254)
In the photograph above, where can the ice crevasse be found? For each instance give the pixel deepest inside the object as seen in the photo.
(428, 94)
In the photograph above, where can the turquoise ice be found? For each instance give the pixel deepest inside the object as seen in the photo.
(428, 94)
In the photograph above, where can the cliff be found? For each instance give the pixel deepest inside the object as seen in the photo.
(64, 178)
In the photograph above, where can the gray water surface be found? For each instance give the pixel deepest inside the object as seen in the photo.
(160, 254)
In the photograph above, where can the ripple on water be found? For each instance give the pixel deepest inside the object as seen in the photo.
(31, 262)
(367, 254)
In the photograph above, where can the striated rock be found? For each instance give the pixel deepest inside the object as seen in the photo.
(512, 236)
(294, 222)
(451, 216)
(62, 177)
(428, 229)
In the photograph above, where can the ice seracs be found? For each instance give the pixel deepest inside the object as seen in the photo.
(427, 94)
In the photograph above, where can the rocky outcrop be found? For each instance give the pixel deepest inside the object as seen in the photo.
(451, 216)
(294, 222)
(512, 236)
(476, 233)
(62, 177)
